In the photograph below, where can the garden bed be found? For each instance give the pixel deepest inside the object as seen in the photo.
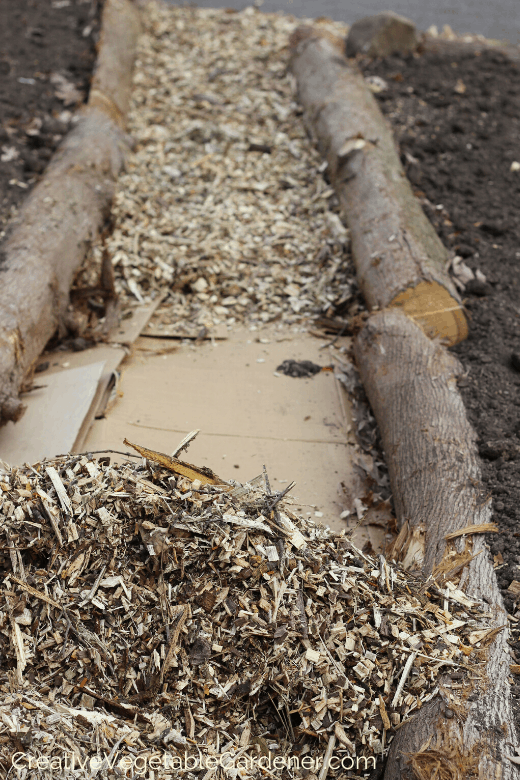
(456, 116)
(47, 52)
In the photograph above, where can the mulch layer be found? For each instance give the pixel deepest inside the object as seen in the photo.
(456, 117)
(47, 52)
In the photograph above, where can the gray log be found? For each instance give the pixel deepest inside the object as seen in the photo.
(399, 258)
(65, 212)
(411, 385)
(381, 35)
(436, 484)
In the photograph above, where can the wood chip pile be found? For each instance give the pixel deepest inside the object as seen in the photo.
(223, 203)
(146, 616)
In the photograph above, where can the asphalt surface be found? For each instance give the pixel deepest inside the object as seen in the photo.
(492, 18)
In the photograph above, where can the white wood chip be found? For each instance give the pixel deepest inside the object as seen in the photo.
(60, 489)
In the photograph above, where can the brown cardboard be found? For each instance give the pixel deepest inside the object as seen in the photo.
(133, 321)
(298, 428)
(54, 415)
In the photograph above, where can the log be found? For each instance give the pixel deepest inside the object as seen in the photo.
(435, 477)
(399, 258)
(64, 214)
(410, 382)
(461, 47)
(111, 85)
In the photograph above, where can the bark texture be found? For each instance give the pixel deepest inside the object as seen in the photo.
(112, 81)
(399, 258)
(64, 213)
(435, 476)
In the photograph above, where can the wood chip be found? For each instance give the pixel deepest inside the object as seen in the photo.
(134, 628)
(233, 235)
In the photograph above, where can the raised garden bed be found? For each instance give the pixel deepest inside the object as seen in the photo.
(456, 116)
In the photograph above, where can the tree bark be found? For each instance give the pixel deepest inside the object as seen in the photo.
(65, 212)
(112, 80)
(399, 258)
(436, 484)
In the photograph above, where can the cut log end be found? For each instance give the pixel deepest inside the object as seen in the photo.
(437, 313)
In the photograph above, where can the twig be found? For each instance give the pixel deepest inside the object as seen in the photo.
(281, 495)
(59, 488)
(326, 758)
(338, 335)
(185, 443)
(267, 483)
(94, 588)
(277, 601)
(404, 677)
(351, 531)
(182, 611)
(331, 659)
(303, 617)
(35, 592)
(447, 661)
(53, 522)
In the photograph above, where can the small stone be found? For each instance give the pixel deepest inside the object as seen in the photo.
(381, 35)
(515, 360)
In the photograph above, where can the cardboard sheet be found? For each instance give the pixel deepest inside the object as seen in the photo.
(54, 416)
(134, 321)
(299, 428)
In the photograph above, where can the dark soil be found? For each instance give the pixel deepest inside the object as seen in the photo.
(457, 119)
(46, 46)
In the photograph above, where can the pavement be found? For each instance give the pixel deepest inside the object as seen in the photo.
(499, 20)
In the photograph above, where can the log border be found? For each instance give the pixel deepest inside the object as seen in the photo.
(433, 463)
(65, 212)
(399, 258)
